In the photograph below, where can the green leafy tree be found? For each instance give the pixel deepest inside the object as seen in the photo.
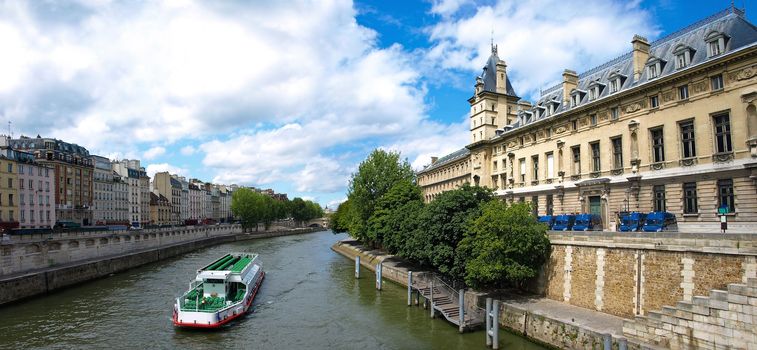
(340, 219)
(505, 245)
(250, 207)
(389, 226)
(442, 227)
(375, 177)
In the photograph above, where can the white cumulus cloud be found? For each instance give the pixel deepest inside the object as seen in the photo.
(154, 152)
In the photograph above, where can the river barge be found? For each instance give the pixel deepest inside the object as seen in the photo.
(222, 291)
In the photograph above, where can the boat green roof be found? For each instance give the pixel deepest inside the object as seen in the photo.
(234, 262)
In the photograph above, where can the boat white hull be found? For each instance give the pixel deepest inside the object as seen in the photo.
(195, 319)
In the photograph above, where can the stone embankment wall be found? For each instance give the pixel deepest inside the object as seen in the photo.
(20, 286)
(632, 274)
(540, 327)
(32, 252)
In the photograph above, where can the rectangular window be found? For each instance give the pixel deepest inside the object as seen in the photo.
(617, 153)
(615, 113)
(20, 169)
(595, 164)
(593, 119)
(683, 92)
(522, 169)
(21, 184)
(22, 199)
(576, 160)
(723, 133)
(714, 47)
(725, 195)
(654, 101)
(535, 205)
(614, 85)
(10, 167)
(681, 60)
(658, 146)
(652, 69)
(688, 142)
(659, 197)
(22, 218)
(535, 164)
(31, 184)
(716, 82)
(574, 124)
(550, 165)
(31, 215)
(550, 204)
(10, 215)
(690, 198)
(10, 183)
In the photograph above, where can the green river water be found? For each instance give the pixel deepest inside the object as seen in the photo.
(309, 300)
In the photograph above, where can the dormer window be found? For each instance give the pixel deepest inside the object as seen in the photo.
(715, 43)
(595, 88)
(576, 96)
(683, 55)
(616, 81)
(654, 67)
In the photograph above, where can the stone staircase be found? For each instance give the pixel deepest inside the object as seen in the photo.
(726, 319)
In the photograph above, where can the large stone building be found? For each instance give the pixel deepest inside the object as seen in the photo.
(111, 194)
(26, 190)
(74, 173)
(669, 126)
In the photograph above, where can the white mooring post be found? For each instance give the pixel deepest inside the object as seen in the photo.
(431, 298)
(378, 276)
(492, 323)
(357, 267)
(488, 322)
(409, 288)
(461, 311)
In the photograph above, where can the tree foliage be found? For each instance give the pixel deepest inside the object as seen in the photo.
(392, 219)
(374, 178)
(254, 208)
(504, 245)
(340, 219)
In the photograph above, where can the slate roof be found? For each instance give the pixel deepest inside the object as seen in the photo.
(740, 33)
(489, 75)
(456, 155)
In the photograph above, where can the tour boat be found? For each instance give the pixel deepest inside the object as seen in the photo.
(222, 291)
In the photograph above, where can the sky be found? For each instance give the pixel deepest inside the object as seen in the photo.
(292, 95)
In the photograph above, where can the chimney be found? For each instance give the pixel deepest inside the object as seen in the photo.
(501, 77)
(434, 159)
(569, 82)
(640, 55)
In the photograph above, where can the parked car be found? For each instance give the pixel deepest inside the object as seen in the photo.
(659, 221)
(564, 222)
(587, 222)
(632, 222)
(548, 220)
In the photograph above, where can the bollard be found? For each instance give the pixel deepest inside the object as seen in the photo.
(409, 288)
(495, 325)
(357, 267)
(431, 299)
(622, 344)
(378, 276)
(607, 337)
(488, 322)
(461, 310)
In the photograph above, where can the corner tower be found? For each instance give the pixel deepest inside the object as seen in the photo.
(494, 103)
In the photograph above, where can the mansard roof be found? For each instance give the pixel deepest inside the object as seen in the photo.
(730, 22)
(456, 155)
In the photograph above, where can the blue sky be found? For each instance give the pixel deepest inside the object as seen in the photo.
(292, 95)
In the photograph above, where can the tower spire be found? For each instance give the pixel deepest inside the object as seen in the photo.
(494, 47)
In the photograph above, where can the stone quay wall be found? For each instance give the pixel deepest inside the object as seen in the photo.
(541, 327)
(38, 282)
(26, 253)
(636, 273)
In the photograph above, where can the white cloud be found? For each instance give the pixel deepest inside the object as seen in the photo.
(447, 7)
(151, 169)
(333, 205)
(538, 39)
(154, 152)
(188, 150)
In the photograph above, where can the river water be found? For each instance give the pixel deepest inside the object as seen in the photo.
(309, 300)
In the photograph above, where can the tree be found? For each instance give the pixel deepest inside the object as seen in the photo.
(389, 226)
(341, 218)
(442, 227)
(504, 245)
(250, 207)
(375, 176)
